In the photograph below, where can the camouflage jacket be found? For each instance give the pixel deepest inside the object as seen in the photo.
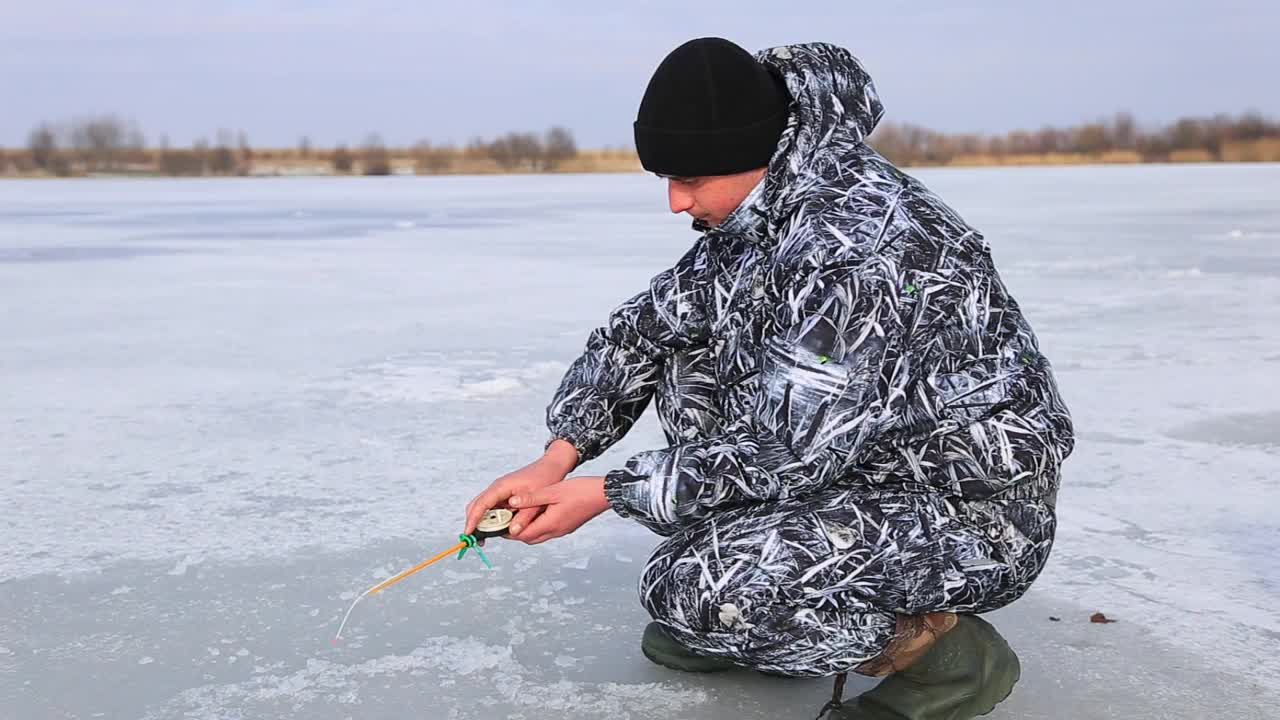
(842, 327)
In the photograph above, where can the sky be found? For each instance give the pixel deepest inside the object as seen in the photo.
(336, 72)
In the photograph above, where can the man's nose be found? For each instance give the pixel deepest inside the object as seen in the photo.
(678, 198)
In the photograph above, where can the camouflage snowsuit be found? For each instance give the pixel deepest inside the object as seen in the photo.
(860, 420)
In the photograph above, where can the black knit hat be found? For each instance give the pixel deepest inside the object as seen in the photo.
(710, 109)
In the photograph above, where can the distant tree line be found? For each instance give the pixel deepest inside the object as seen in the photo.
(913, 145)
(226, 156)
(111, 144)
(512, 152)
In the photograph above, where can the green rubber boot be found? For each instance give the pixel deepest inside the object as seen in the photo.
(967, 672)
(661, 648)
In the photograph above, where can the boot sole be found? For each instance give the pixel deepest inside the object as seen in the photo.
(662, 649)
(689, 666)
(708, 665)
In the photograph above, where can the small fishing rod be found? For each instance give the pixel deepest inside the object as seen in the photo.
(495, 523)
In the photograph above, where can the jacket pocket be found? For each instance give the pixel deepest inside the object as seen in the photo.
(802, 398)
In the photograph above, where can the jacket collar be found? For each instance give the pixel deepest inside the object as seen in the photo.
(749, 221)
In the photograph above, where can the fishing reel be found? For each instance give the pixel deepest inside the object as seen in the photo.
(495, 523)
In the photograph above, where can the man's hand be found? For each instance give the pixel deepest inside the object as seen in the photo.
(558, 461)
(566, 507)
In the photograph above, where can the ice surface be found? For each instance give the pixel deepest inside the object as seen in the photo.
(579, 563)
(230, 406)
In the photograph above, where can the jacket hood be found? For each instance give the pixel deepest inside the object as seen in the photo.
(831, 93)
(834, 105)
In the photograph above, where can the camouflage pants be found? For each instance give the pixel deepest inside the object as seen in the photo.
(812, 588)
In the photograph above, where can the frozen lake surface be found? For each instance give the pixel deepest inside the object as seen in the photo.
(228, 406)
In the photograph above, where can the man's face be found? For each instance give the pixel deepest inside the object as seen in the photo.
(711, 198)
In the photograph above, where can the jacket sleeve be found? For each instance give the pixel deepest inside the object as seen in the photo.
(608, 387)
(820, 397)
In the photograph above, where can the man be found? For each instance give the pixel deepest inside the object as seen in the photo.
(865, 440)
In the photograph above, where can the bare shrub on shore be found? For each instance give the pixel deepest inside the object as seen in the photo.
(526, 151)
(343, 160)
(106, 143)
(374, 158)
(557, 148)
(515, 151)
(431, 159)
(222, 159)
(43, 145)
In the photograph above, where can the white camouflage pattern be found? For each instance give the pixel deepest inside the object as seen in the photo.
(861, 421)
